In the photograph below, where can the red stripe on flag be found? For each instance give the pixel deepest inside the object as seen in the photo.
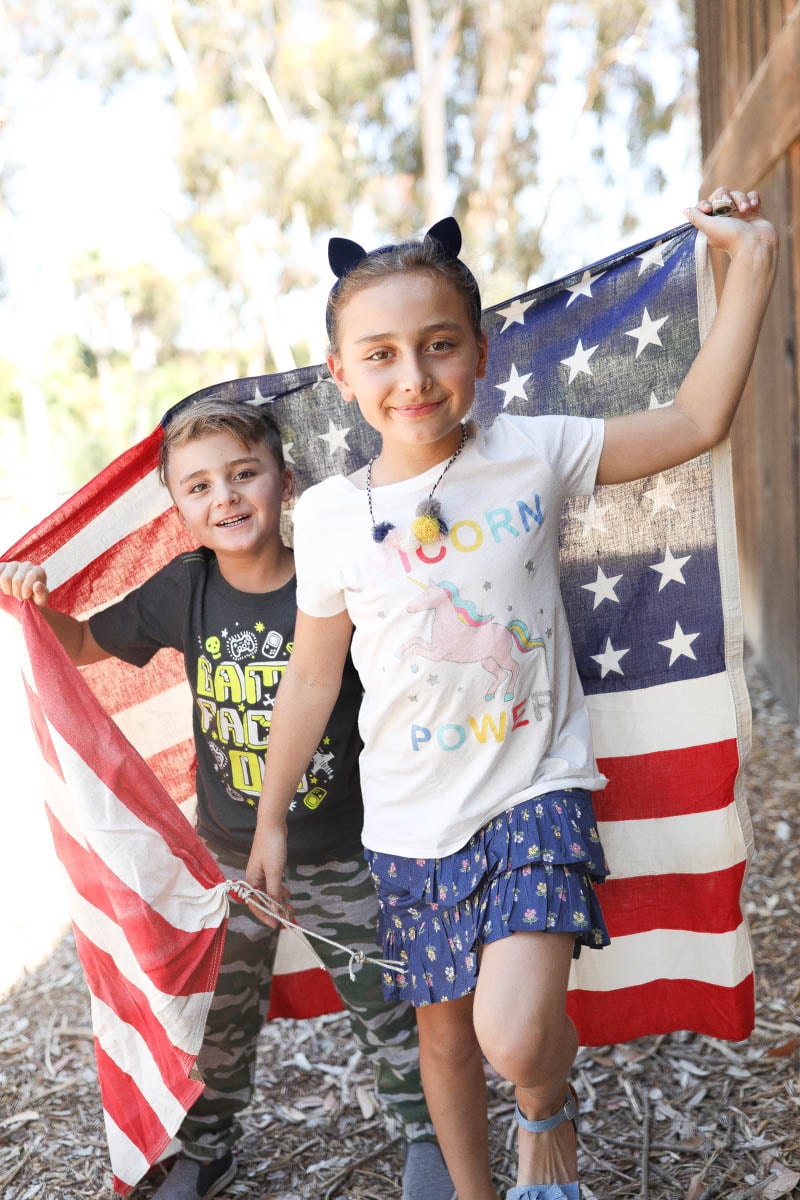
(705, 903)
(123, 566)
(91, 501)
(74, 712)
(132, 1007)
(695, 779)
(663, 1006)
(301, 994)
(127, 1105)
(41, 731)
(174, 960)
(175, 768)
(129, 1109)
(119, 686)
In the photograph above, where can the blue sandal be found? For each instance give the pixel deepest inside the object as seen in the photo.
(548, 1191)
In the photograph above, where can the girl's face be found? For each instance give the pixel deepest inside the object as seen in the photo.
(408, 353)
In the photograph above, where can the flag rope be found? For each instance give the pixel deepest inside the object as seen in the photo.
(252, 897)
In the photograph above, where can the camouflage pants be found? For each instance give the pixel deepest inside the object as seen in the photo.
(336, 899)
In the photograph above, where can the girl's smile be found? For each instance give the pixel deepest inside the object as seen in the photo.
(408, 354)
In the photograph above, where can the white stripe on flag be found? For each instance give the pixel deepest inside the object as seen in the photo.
(668, 716)
(658, 846)
(140, 504)
(721, 959)
(160, 722)
(178, 1015)
(125, 844)
(295, 953)
(126, 1047)
(128, 1162)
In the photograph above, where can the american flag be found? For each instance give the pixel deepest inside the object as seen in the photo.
(650, 582)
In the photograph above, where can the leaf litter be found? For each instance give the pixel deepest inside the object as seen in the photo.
(676, 1117)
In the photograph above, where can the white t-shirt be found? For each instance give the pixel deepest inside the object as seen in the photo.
(472, 701)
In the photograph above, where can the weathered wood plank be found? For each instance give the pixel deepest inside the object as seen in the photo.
(766, 120)
(767, 475)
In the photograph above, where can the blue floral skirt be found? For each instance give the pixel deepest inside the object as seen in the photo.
(529, 869)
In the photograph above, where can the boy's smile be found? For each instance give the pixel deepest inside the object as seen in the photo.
(228, 495)
(409, 355)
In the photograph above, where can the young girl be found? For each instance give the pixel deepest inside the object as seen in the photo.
(479, 826)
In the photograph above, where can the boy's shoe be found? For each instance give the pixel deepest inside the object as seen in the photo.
(190, 1179)
(425, 1174)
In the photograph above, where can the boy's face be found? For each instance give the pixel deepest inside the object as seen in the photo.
(229, 495)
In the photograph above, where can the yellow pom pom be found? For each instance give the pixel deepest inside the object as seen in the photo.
(426, 530)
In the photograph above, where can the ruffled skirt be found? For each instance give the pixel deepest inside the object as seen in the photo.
(530, 869)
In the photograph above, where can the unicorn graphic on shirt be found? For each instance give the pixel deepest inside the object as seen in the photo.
(462, 634)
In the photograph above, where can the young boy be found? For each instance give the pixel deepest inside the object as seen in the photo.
(230, 608)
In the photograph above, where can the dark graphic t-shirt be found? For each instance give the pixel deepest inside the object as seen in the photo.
(236, 646)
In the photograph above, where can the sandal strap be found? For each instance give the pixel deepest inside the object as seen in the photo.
(545, 1191)
(568, 1112)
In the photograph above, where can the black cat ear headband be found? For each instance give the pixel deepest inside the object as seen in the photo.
(344, 255)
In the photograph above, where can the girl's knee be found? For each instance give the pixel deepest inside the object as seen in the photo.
(528, 1053)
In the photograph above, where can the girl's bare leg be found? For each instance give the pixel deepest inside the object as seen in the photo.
(524, 1031)
(451, 1065)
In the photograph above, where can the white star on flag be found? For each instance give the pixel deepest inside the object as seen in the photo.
(651, 258)
(680, 644)
(579, 361)
(258, 398)
(603, 587)
(514, 386)
(583, 287)
(609, 659)
(656, 403)
(335, 437)
(646, 334)
(515, 311)
(593, 517)
(660, 496)
(287, 453)
(670, 569)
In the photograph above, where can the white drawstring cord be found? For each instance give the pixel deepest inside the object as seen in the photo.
(243, 892)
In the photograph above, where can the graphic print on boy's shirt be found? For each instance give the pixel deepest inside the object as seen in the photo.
(237, 677)
(236, 646)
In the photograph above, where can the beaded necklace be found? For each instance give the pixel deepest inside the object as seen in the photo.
(428, 525)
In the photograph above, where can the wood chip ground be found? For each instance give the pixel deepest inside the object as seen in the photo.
(681, 1117)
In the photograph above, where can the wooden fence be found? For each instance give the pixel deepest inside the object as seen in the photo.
(749, 69)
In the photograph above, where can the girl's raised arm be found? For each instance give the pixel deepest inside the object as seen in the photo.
(306, 697)
(645, 443)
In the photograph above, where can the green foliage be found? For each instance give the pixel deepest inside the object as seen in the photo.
(296, 118)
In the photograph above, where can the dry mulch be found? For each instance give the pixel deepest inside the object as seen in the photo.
(681, 1117)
